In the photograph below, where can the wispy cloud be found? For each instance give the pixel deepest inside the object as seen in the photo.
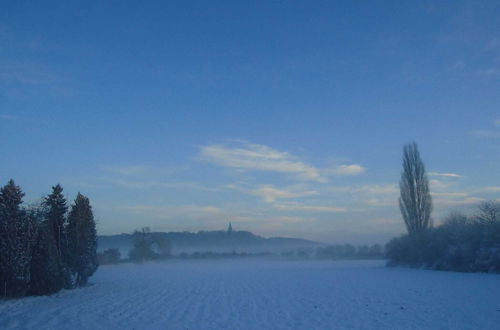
(308, 208)
(448, 175)
(383, 189)
(370, 189)
(207, 216)
(381, 202)
(491, 189)
(270, 193)
(258, 157)
(352, 169)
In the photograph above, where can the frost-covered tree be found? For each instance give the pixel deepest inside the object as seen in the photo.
(16, 231)
(415, 201)
(82, 241)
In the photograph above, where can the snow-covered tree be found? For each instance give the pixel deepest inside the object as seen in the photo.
(82, 241)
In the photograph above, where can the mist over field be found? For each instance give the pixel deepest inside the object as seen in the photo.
(250, 165)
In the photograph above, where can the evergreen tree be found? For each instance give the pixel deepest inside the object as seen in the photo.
(47, 273)
(56, 206)
(82, 241)
(16, 232)
(56, 216)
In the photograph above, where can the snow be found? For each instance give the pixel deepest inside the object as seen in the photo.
(265, 294)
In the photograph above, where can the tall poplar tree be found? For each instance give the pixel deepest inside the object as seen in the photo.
(415, 201)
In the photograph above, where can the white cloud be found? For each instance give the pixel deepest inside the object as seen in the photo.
(280, 222)
(353, 169)
(488, 189)
(448, 175)
(308, 208)
(372, 189)
(210, 217)
(260, 158)
(269, 193)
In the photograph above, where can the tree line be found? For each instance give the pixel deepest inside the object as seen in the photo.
(349, 251)
(468, 243)
(43, 247)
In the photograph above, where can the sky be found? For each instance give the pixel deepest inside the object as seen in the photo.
(287, 118)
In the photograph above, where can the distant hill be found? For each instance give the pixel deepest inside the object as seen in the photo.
(215, 241)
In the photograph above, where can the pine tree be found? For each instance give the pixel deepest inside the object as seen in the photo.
(56, 206)
(16, 231)
(47, 272)
(82, 241)
(56, 215)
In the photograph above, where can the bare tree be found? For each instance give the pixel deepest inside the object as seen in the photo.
(415, 202)
(489, 212)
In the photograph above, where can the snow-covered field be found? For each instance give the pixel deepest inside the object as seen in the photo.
(265, 294)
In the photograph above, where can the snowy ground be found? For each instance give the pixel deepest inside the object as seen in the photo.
(260, 294)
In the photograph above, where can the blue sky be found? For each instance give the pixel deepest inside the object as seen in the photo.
(286, 118)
